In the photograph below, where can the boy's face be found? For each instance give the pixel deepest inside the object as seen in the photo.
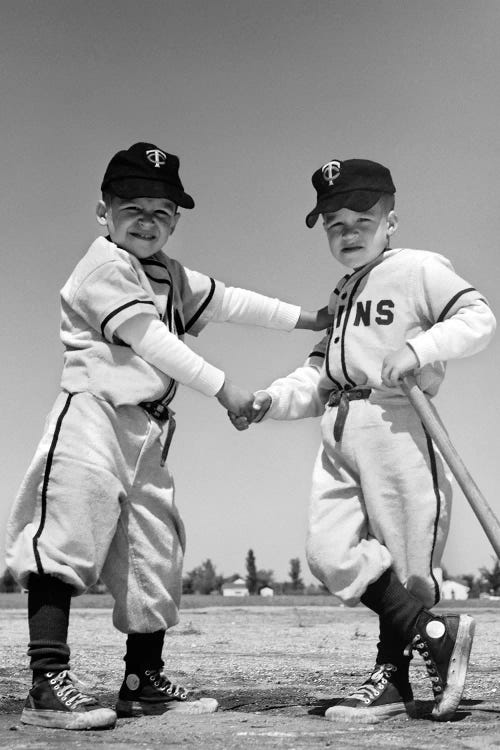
(141, 226)
(357, 238)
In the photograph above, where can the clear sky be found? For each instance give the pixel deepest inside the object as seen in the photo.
(254, 95)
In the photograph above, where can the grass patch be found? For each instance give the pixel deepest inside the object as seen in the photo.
(189, 601)
(199, 601)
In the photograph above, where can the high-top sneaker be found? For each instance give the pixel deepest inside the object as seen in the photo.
(445, 644)
(57, 700)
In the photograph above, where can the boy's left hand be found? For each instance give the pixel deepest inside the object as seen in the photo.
(315, 321)
(397, 364)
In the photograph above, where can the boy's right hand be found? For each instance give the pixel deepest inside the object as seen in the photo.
(235, 399)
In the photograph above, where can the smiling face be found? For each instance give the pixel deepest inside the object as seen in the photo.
(357, 238)
(141, 226)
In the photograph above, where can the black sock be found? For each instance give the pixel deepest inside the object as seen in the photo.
(397, 608)
(391, 649)
(144, 651)
(49, 602)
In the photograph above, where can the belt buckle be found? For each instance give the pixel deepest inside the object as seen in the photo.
(334, 398)
(160, 412)
(157, 410)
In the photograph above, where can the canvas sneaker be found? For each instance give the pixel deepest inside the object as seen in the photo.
(151, 693)
(386, 693)
(57, 700)
(445, 644)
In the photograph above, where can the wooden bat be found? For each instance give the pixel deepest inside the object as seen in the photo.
(428, 414)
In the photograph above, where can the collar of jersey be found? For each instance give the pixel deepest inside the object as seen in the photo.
(362, 270)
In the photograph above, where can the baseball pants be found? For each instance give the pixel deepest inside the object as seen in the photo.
(380, 497)
(96, 502)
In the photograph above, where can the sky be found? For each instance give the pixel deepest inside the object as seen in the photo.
(254, 96)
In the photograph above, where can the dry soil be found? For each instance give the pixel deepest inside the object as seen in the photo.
(273, 669)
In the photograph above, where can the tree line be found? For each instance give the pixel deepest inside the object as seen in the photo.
(204, 579)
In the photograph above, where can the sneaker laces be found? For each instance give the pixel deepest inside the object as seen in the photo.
(164, 685)
(423, 649)
(378, 679)
(62, 682)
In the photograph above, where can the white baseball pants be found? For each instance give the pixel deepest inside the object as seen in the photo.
(96, 502)
(381, 497)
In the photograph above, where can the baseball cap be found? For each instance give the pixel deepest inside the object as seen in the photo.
(354, 183)
(144, 170)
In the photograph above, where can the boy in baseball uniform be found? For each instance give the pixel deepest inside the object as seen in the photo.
(381, 493)
(98, 499)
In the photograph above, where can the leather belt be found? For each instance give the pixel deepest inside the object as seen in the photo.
(162, 413)
(341, 399)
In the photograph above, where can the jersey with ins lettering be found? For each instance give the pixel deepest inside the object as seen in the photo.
(404, 296)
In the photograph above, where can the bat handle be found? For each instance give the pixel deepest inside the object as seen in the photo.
(430, 419)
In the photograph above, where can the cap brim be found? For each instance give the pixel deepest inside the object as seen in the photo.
(355, 200)
(139, 188)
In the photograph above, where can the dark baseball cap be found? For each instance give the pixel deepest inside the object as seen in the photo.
(146, 171)
(354, 183)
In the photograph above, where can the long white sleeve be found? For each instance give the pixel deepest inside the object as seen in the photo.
(151, 340)
(297, 395)
(463, 334)
(251, 308)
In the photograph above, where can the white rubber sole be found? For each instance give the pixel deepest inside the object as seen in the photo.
(99, 718)
(369, 715)
(457, 670)
(127, 709)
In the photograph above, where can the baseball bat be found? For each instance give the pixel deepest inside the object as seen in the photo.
(428, 414)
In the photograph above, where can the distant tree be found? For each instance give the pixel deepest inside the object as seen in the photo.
(491, 578)
(8, 584)
(264, 578)
(314, 590)
(294, 573)
(187, 584)
(251, 579)
(202, 580)
(473, 583)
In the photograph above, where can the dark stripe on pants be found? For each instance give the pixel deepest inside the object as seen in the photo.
(46, 478)
(435, 483)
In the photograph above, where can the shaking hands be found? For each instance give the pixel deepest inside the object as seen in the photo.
(254, 412)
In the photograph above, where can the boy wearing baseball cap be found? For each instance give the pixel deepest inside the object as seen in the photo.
(98, 499)
(381, 493)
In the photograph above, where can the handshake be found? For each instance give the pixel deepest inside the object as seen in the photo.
(243, 407)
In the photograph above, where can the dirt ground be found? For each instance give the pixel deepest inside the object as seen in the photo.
(273, 670)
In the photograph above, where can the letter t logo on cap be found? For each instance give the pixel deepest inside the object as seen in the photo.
(330, 171)
(156, 157)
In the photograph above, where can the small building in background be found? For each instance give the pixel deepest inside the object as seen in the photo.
(237, 587)
(454, 590)
(266, 591)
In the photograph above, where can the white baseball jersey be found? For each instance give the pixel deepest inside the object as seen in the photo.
(381, 494)
(404, 296)
(110, 286)
(95, 499)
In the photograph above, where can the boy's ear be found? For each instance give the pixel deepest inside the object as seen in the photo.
(101, 213)
(392, 222)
